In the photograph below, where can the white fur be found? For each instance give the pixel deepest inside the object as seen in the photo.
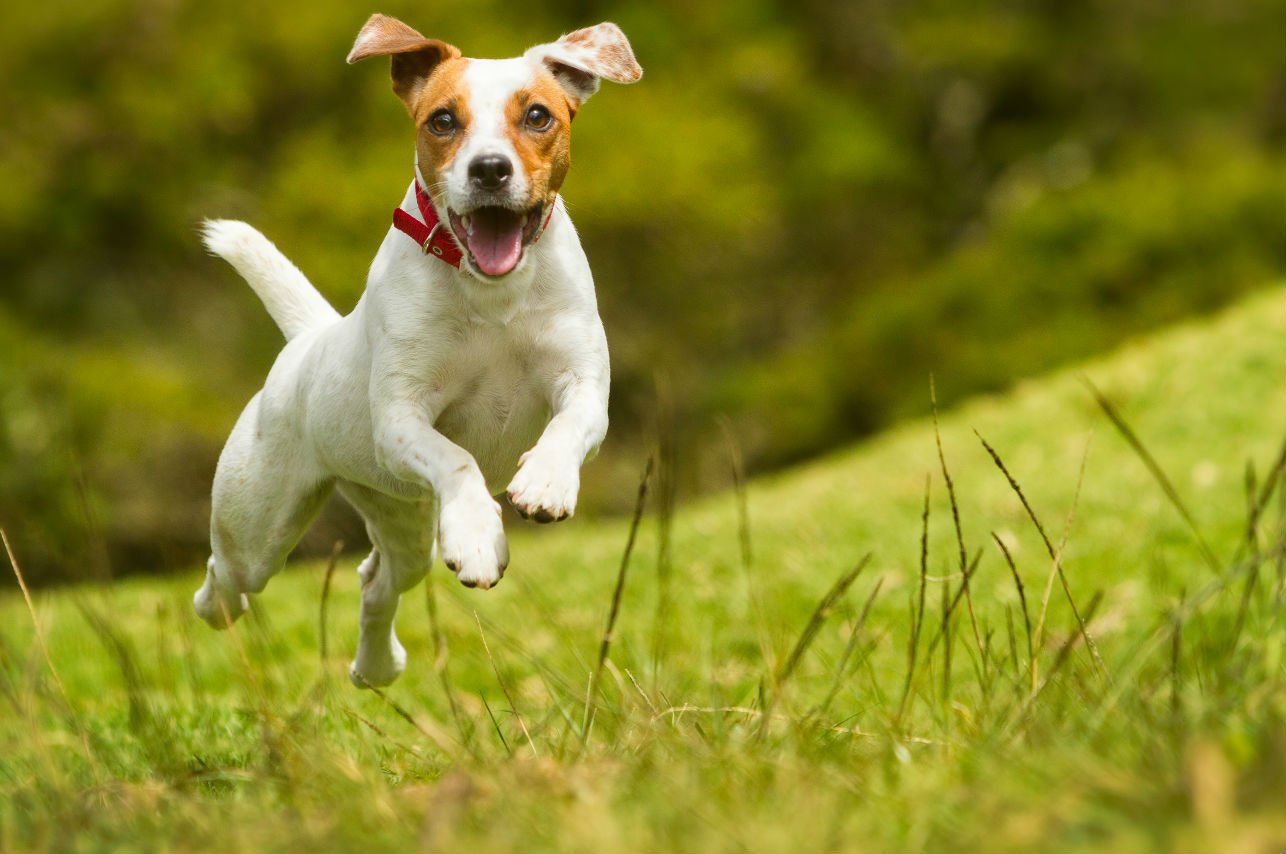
(417, 407)
(489, 82)
(290, 298)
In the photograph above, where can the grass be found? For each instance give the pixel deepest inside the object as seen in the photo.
(1046, 620)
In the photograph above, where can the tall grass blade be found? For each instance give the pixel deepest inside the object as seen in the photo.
(513, 707)
(944, 632)
(820, 614)
(39, 632)
(950, 603)
(1158, 473)
(380, 731)
(841, 670)
(955, 522)
(605, 645)
(917, 613)
(495, 724)
(946, 476)
(1279, 595)
(1259, 499)
(1060, 658)
(141, 719)
(435, 736)
(335, 551)
(1011, 636)
(1176, 662)
(738, 467)
(1055, 555)
(442, 666)
(1022, 599)
(667, 484)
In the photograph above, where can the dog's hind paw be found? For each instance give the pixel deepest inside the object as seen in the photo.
(218, 607)
(378, 671)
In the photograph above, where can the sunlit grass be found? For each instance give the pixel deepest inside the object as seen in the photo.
(812, 673)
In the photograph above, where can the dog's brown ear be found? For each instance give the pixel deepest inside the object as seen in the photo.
(578, 60)
(414, 56)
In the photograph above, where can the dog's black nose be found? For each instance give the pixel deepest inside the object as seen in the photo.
(490, 171)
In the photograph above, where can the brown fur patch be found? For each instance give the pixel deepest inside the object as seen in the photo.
(602, 50)
(444, 89)
(581, 37)
(546, 155)
(413, 56)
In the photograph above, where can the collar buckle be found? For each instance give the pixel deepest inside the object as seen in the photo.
(427, 246)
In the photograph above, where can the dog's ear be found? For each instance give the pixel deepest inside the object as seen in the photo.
(414, 56)
(578, 60)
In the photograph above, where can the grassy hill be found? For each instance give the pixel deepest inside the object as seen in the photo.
(905, 714)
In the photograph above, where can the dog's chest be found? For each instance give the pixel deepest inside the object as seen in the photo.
(495, 389)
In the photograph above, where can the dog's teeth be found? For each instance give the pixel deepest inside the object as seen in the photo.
(468, 224)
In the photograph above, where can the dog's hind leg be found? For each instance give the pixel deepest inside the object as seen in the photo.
(265, 495)
(401, 532)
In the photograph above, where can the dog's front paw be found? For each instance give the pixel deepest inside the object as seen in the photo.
(545, 487)
(471, 541)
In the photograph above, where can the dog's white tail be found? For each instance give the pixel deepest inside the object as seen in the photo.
(289, 297)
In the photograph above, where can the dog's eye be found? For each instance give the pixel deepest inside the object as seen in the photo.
(538, 117)
(442, 122)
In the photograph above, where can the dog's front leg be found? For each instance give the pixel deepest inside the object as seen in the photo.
(548, 478)
(470, 537)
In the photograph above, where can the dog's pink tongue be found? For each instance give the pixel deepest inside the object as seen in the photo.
(495, 239)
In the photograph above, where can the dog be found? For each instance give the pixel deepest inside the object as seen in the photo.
(476, 348)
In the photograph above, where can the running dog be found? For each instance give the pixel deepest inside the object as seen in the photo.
(475, 356)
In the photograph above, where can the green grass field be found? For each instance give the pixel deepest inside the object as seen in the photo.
(750, 702)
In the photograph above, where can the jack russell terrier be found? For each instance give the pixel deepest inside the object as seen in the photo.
(476, 347)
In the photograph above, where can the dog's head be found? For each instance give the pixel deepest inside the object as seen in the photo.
(493, 142)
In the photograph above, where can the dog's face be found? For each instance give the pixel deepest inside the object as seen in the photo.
(493, 146)
(493, 137)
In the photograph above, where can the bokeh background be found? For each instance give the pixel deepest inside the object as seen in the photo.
(803, 211)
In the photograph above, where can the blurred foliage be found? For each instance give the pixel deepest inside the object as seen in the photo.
(801, 212)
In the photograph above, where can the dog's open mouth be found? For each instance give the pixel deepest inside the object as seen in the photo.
(495, 236)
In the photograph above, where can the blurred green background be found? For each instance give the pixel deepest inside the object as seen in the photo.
(801, 212)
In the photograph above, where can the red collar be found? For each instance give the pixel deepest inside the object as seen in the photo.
(432, 236)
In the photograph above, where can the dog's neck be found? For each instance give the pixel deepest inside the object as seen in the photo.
(488, 300)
